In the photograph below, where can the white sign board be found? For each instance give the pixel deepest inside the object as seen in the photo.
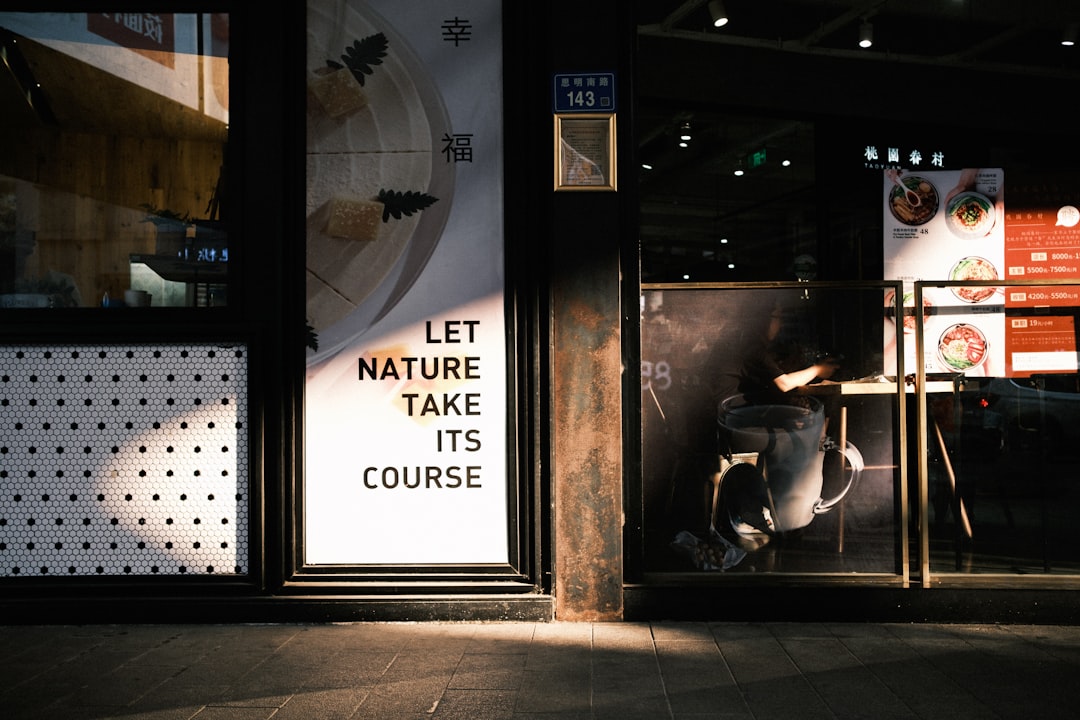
(406, 457)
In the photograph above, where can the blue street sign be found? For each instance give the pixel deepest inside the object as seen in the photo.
(585, 92)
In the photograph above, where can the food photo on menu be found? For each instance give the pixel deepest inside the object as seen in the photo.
(946, 225)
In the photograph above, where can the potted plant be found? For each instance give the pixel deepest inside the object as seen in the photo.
(171, 229)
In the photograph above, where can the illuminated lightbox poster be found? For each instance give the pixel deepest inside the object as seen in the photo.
(947, 225)
(405, 425)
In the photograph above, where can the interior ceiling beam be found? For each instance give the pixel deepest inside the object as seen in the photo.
(861, 12)
(990, 43)
(680, 12)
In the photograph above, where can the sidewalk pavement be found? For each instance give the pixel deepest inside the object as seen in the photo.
(537, 671)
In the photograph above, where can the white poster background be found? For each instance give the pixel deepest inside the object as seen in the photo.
(387, 486)
(929, 252)
(351, 424)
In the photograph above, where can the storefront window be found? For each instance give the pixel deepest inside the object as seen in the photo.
(1002, 438)
(742, 474)
(113, 140)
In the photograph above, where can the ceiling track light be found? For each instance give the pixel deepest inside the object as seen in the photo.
(684, 135)
(866, 34)
(718, 13)
(1068, 39)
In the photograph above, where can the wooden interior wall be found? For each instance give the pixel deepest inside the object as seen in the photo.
(82, 194)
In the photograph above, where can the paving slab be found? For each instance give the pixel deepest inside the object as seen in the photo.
(539, 671)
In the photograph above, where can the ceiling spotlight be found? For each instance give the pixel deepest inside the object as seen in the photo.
(1069, 38)
(738, 172)
(866, 35)
(718, 13)
(684, 132)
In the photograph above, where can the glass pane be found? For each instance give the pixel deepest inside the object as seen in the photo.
(112, 159)
(1003, 449)
(769, 432)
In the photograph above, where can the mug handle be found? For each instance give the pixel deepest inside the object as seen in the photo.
(855, 459)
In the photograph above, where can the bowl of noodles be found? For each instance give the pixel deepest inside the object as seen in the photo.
(962, 347)
(970, 215)
(914, 214)
(974, 268)
(910, 317)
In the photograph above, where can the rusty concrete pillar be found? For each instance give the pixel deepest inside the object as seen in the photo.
(586, 343)
(587, 444)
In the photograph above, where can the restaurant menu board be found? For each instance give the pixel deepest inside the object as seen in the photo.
(954, 226)
(1042, 241)
(947, 225)
(405, 447)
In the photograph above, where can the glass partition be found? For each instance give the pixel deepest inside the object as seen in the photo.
(112, 159)
(771, 437)
(999, 420)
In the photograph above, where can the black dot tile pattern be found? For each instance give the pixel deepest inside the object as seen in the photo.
(123, 460)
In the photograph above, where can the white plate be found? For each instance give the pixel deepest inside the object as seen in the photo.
(973, 268)
(962, 347)
(394, 144)
(982, 211)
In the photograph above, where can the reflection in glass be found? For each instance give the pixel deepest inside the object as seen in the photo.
(1003, 454)
(112, 156)
(700, 222)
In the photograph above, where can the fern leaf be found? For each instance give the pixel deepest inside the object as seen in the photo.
(363, 55)
(397, 203)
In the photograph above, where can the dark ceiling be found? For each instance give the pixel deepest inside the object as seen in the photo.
(771, 79)
(1001, 35)
(781, 70)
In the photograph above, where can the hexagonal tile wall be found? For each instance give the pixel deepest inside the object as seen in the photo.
(123, 460)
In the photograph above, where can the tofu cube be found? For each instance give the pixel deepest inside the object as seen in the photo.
(353, 219)
(338, 92)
